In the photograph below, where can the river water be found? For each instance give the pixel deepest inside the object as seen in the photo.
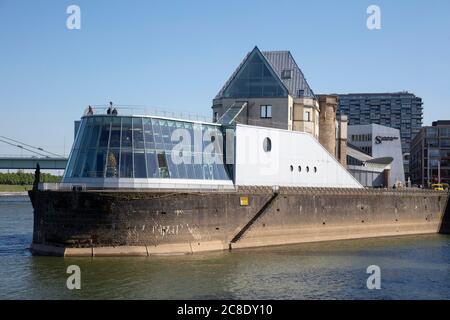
(413, 267)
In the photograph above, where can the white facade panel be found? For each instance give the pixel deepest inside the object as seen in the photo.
(286, 164)
(384, 142)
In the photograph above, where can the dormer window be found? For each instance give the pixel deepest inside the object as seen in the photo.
(286, 74)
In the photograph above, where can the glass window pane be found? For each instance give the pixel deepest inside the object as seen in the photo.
(80, 133)
(138, 134)
(112, 165)
(126, 164)
(127, 133)
(208, 171)
(70, 171)
(89, 164)
(157, 135)
(181, 167)
(166, 134)
(173, 168)
(152, 165)
(255, 80)
(100, 163)
(139, 165)
(79, 164)
(198, 169)
(148, 134)
(93, 139)
(115, 134)
(104, 135)
(162, 164)
(189, 167)
(223, 174)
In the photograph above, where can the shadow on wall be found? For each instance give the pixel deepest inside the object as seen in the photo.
(445, 224)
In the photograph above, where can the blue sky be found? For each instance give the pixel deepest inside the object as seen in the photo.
(177, 55)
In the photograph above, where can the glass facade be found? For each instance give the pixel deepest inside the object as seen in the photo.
(430, 154)
(254, 80)
(143, 147)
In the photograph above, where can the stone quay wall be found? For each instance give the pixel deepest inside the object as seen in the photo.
(121, 223)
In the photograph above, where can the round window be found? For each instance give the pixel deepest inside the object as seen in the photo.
(315, 169)
(299, 168)
(307, 169)
(292, 168)
(267, 145)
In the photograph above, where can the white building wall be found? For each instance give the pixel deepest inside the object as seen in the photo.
(385, 148)
(254, 166)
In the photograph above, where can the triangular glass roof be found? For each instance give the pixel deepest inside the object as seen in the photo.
(255, 78)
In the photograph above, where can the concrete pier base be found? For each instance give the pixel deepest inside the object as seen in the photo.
(118, 223)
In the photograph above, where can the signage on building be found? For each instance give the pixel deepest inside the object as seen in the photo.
(380, 139)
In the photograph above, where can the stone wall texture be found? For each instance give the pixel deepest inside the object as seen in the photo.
(143, 223)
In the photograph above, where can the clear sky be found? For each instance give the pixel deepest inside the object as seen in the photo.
(177, 55)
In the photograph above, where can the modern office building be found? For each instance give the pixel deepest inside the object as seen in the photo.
(430, 154)
(400, 110)
(268, 89)
(379, 142)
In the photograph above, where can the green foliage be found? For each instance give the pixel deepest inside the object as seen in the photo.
(21, 178)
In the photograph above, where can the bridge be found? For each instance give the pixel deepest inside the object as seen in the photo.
(32, 162)
(47, 160)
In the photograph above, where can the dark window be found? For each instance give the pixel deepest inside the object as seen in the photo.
(104, 135)
(115, 134)
(286, 74)
(266, 111)
(267, 145)
(255, 80)
(139, 165)
(126, 164)
(162, 164)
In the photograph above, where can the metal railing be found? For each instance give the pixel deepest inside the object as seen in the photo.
(133, 110)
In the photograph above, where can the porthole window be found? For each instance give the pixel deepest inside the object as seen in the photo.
(292, 168)
(315, 169)
(267, 145)
(299, 168)
(307, 169)
(213, 138)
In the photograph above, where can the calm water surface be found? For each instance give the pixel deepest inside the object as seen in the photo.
(416, 267)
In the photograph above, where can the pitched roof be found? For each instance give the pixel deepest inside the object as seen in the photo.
(279, 61)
